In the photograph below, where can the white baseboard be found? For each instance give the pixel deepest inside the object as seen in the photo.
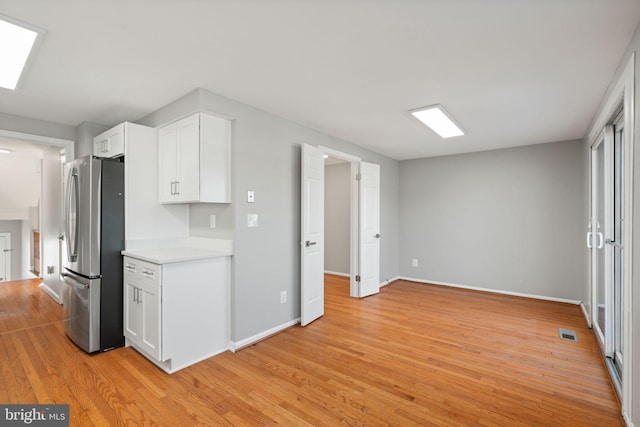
(237, 345)
(585, 313)
(51, 293)
(494, 291)
(335, 273)
(389, 281)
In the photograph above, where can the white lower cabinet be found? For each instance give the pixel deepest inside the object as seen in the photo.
(177, 314)
(142, 319)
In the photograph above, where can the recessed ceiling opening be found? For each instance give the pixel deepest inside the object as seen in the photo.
(438, 120)
(17, 45)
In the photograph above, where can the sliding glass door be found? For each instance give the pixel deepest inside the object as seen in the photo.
(605, 239)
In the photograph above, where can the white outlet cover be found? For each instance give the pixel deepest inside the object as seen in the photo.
(212, 221)
(252, 220)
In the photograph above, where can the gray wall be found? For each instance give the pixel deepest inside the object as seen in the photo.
(634, 46)
(15, 228)
(508, 220)
(266, 159)
(36, 127)
(337, 218)
(84, 137)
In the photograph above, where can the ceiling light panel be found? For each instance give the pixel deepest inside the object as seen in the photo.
(439, 120)
(17, 42)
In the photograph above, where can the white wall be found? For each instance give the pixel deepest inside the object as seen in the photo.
(51, 220)
(337, 218)
(508, 220)
(21, 186)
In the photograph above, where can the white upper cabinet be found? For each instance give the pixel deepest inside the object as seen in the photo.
(110, 143)
(195, 160)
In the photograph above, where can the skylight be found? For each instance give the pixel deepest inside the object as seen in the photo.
(437, 118)
(16, 45)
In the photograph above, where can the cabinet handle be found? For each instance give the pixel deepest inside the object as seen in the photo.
(174, 186)
(177, 187)
(135, 295)
(139, 295)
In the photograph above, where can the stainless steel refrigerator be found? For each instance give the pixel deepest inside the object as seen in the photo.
(94, 233)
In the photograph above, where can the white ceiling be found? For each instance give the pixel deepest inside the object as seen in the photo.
(512, 72)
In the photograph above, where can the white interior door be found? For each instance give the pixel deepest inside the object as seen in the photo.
(312, 235)
(5, 257)
(369, 228)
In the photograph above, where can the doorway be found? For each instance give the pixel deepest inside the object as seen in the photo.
(43, 215)
(364, 228)
(5, 257)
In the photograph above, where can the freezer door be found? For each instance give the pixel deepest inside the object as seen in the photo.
(82, 216)
(82, 311)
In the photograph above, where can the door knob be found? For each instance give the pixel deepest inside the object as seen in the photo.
(309, 243)
(377, 236)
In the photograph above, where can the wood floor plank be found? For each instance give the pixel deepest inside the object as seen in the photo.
(414, 354)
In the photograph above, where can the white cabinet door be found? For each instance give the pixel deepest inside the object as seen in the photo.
(110, 143)
(168, 141)
(188, 159)
(151, 321)
(142, 306)
(195, 160)
(132, 312)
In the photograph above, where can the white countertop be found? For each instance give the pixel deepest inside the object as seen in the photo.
(175, 254)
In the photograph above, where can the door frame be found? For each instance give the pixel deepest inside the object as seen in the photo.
(354, 161)
(8, 271)
(622, 94)
(70, 150)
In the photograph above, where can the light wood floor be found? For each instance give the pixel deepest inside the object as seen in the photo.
(413, 355)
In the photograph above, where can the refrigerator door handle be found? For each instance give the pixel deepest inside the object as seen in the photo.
(73, 282)
(72, 191)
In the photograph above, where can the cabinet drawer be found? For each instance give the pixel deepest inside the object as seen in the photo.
(142, 272)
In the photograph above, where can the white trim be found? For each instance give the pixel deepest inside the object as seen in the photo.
(335, 273)
(339, 154)
(494, 291)
(585, 313)
(67, 144)
(51, 293)
(8, 272)
(238, 345)
(390, 281)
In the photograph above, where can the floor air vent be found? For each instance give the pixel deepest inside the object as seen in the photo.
(567, 334)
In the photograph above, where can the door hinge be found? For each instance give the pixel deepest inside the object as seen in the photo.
(357, 278)
(358, 177)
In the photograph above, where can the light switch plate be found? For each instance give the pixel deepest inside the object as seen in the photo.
(252, 220)
(251, 196)
(212, 221)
